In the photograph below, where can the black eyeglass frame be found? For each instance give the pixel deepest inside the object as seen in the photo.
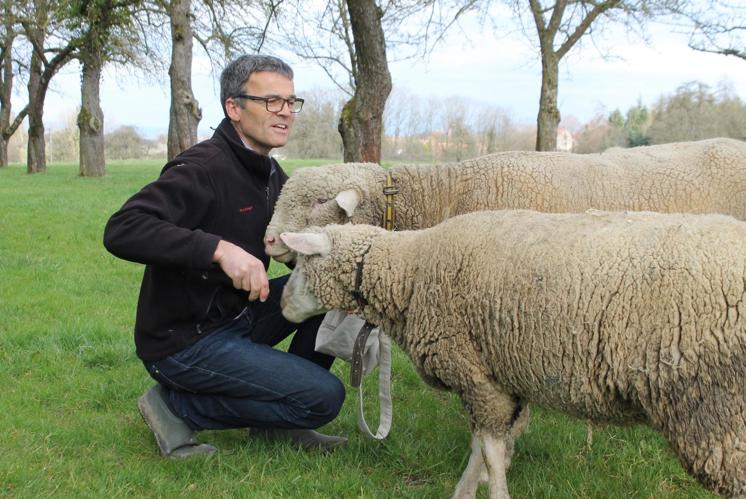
(290, 102)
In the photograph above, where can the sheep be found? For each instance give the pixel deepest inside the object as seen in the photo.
(708, 176)
(612, 317)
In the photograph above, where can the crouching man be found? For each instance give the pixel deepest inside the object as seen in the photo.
(208, 316)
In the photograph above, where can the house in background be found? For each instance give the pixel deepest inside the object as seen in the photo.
(565, 141)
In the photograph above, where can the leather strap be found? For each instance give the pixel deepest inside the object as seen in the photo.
(356, 367)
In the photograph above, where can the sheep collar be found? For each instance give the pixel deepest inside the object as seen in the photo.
(356, 292)
(389, 213)
(356, 367)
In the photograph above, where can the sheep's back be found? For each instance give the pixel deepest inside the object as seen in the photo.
(691, 177)
(601, 314)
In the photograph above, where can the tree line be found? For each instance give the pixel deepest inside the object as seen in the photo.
(352, 40)
(452, 129)
(693, 112)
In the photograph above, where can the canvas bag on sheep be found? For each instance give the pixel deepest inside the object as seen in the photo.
(336, 337)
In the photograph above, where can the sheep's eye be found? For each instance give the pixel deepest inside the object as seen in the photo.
(319, 202)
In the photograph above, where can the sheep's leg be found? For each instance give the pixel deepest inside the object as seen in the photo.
(467, 486)
(476, 470)
(516, 429)
(496, 418)
(494, 453)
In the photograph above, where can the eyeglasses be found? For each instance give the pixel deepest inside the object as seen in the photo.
(274, 104)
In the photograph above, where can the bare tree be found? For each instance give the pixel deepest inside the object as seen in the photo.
(40, 23)
(106, 34)
(8, 35)
(361, 120)
(718, 27)
(560, 26)
(185, 112)
(81, 30)
(222, 29)
(351, 42)
(348, 35)
(91, 116)
(550, 21)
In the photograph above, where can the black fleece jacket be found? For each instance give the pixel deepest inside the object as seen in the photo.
(217, 189)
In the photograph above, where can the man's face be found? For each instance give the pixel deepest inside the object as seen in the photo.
(263, 130)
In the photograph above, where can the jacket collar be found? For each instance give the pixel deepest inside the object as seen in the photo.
(253, 161)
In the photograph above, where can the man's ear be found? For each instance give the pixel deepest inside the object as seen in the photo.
(348, 200)
(307, 243)
(233, 109)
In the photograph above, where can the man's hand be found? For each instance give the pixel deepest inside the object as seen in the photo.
(245, 270)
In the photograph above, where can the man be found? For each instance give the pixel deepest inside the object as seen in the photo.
(198, 229)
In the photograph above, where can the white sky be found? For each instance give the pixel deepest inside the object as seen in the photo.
(503, 72)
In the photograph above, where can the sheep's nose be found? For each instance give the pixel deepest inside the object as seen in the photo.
(269, 240)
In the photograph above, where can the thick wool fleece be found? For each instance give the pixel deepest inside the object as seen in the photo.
(619, 317)
(708, 176)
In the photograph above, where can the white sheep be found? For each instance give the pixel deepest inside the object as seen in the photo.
(613, 317)
(708, 176)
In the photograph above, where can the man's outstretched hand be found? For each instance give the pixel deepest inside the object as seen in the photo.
(245, 270)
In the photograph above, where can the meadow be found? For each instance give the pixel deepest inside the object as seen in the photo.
(69, 382)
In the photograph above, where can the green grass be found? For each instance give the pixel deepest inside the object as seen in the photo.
(69, 382)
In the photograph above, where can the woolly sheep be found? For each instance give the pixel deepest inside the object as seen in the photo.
(613, 317)
(693, 177)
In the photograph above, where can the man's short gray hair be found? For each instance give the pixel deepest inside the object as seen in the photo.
(237, 73)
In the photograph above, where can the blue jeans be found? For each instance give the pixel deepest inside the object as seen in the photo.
(233, 378)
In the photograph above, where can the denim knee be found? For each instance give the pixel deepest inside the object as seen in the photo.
(330, 397)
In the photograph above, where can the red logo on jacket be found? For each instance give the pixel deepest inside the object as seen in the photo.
(246, 208)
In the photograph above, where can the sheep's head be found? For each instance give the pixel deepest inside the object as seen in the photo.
(320, 196)
(324, 276)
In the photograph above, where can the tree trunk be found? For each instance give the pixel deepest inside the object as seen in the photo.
(6, 82)
(91, 117)
(361, 121)
(548, 118)
(40, 74)
(36, 161)
(185, 113)
(3, 152)
(6, 90)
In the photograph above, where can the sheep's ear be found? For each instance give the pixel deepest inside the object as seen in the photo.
(348, 200)
(307, 243)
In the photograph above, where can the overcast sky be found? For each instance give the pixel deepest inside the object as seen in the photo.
(502, 71)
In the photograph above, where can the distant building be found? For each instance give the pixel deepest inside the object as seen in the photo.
(565, 141)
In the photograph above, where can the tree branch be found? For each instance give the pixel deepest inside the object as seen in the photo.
(598, 9)
(729, 51)
(16, 122)
(272, 15)
(557, 13)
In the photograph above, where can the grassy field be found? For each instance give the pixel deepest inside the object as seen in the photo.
(70, 380)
